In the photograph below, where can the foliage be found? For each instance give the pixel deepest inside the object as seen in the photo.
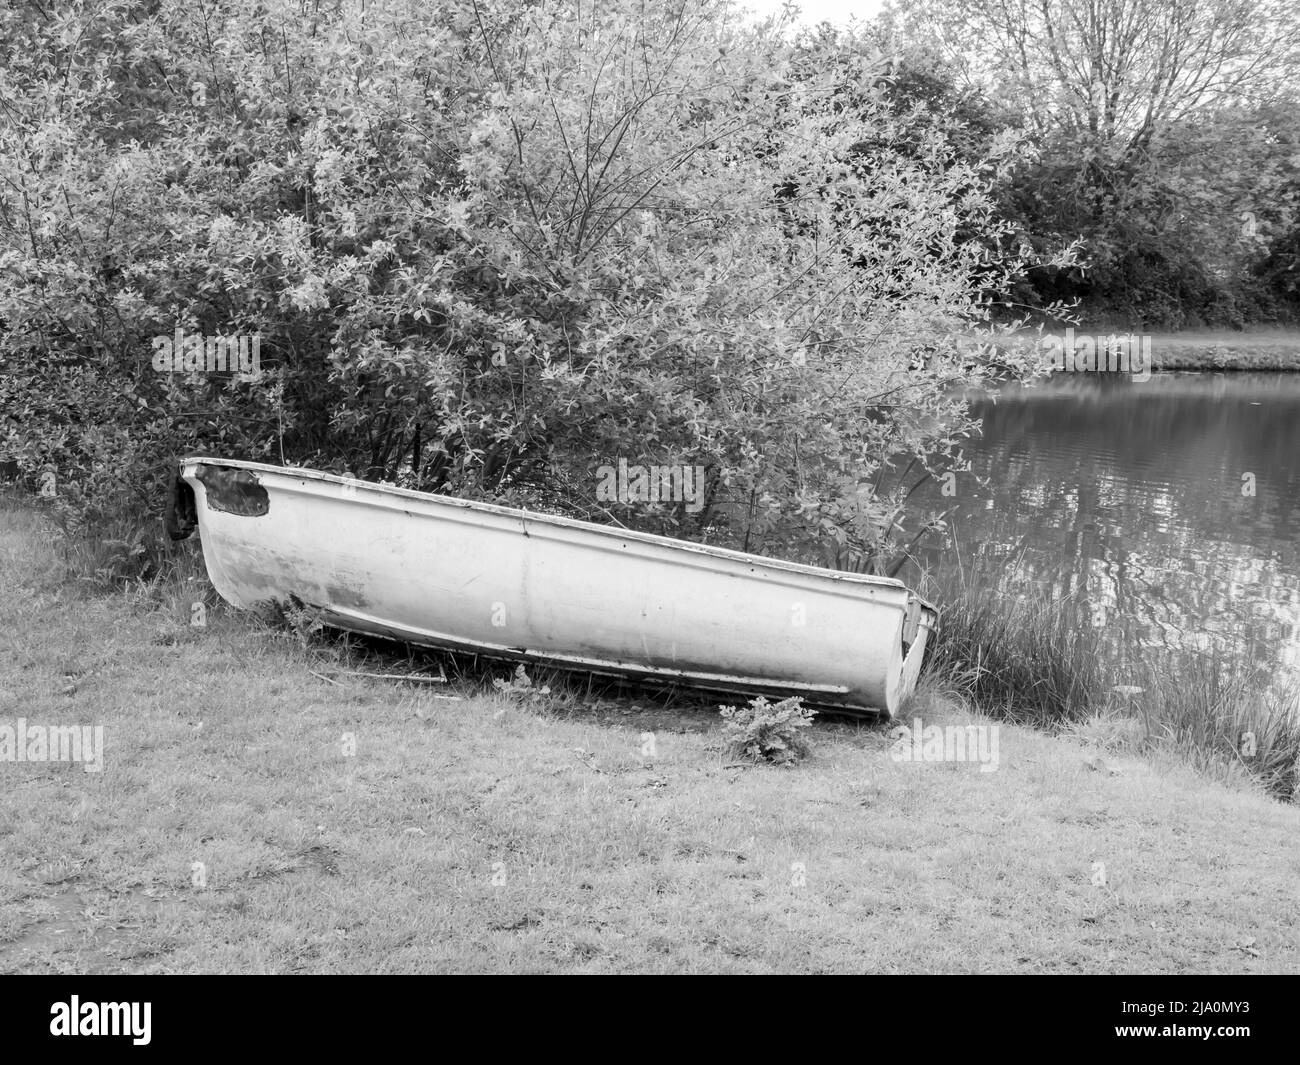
(768, 732)
(488, 247)
(1176, 235)
(1164, 141)
(304, 621)
(521, 687)
(1113, 73)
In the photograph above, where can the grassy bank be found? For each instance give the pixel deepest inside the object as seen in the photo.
(1260, 348)
(1031, 663)
(1255, 348)
(1264, 348)
(503, 833)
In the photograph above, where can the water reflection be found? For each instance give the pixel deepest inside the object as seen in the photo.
(1133, 500)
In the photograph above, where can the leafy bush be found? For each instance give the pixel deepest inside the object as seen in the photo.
(763, 732)
(1168, 151)
(489, 246)
(520, 687)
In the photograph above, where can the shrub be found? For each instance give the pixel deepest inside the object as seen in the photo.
(763, 732)
(488, 248)
(521, 688)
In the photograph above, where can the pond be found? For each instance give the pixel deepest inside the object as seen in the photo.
(1167, 512)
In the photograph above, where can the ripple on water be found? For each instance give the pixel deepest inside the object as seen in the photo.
(1169, 509)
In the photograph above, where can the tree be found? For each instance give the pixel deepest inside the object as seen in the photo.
(491, 247)
(1116, 71)
(1161, 144)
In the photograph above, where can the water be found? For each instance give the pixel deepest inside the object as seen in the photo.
(1133, 500)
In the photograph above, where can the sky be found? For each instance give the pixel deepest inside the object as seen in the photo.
(815, 11)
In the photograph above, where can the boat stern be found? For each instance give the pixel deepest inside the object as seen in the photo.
(920, 619)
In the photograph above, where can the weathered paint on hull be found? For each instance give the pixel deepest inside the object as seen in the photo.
(450, 573)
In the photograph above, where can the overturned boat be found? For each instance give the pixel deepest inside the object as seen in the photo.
(465, 576)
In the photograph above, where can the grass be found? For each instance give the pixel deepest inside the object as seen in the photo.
(1224, 721)
(1257, 348)
(519, 831)
(1261, 348)
(1030, 662)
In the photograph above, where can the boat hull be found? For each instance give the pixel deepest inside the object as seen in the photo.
(450, 573)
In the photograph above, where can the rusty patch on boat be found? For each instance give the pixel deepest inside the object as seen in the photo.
(234, 491)
(341, 595)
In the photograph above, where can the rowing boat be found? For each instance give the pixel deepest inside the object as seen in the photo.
(461, 575)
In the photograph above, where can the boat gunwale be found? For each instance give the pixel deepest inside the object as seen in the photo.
(561, 521)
